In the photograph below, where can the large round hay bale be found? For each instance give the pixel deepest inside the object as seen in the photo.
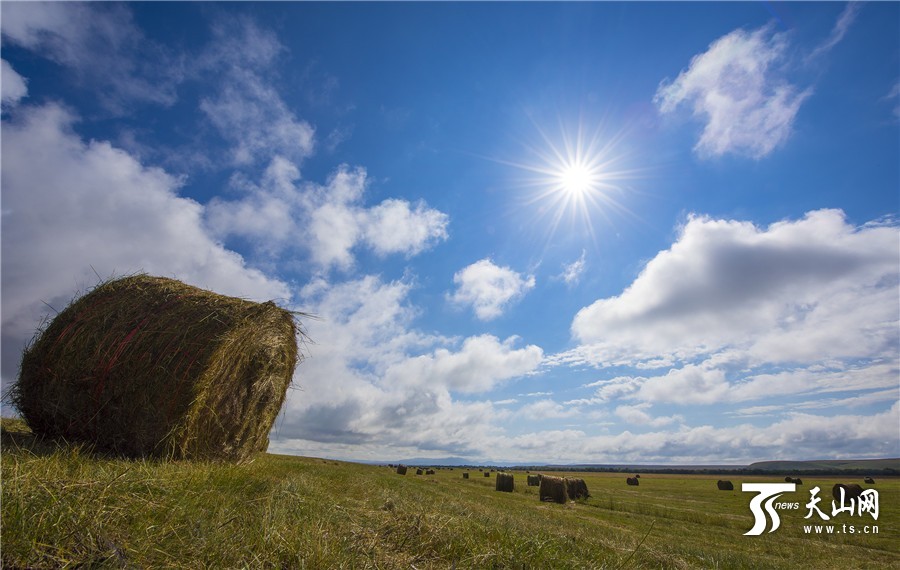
(576, 488)
(553, 489)
(401, 469)
(632, 481)
(505, 482)
(725, 485)
(487, 474)
(150, 367)
(465, 475)
(869, 481)
(534, 480)
(851, 491)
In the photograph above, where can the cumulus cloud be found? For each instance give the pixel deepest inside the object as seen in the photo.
(639, 415)
(738, 90)
(98, 43)
(489, 288)
(14, 85)
(823, 284)
(96, 209)
(283, 212)
(373, 379)
(481, 363)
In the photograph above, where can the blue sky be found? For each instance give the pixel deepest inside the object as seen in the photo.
(532, 232)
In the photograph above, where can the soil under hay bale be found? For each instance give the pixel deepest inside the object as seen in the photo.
(505, 482)
(576, 488)
(553, 489)
(151, 367)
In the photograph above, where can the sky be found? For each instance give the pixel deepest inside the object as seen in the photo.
(659, 233)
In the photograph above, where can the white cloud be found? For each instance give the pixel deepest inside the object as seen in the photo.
(806, 290)
(737, 89)
(638, 415)
(329, 221)
(248, 111)
(14, 85)
(489, 288)
(99, 44)
(572, 272)
(481, 364)
(547, 409)
(71, 208)
(393, 227)
(840, 29)
(373, 380)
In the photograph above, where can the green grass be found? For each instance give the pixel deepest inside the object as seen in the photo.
(62, 507)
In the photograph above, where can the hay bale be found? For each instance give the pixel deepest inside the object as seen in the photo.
(505, 482)
(486, 474)
(146, 366)
(869, 481)
(632, 481)
(576, 488)
(534, 480)
(401, 470)
(418, 471)
(465, 475)
(788, 479)
(725, 485)
(798, 481)
(553, 489)
(851, 491)
(429, 472)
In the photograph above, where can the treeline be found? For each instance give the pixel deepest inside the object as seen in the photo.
(878, 472)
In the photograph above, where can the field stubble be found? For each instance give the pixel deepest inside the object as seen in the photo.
(63, 507)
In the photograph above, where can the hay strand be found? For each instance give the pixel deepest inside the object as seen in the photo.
(146, 366)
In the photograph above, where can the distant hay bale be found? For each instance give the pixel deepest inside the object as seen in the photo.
(505, 482)
(465, 475)
(419, 471)
(401, 470)
(429, 472)
(534, 480)
(851, 491)
(146, 366)
(553, 489)
(869, 481)
(632, 481)
(486, 474)
(637, 476)
(788, 479)
(798, 481)
(725, 485)
(576, 488)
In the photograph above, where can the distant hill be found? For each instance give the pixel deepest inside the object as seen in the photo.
(828, 465)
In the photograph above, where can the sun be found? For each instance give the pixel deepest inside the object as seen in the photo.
(577, 178)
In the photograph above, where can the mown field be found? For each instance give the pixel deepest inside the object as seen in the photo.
(62, 507)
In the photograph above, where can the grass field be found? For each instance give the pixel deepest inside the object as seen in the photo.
(62, 507)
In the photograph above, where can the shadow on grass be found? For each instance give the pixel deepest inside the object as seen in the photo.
(17, 437)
